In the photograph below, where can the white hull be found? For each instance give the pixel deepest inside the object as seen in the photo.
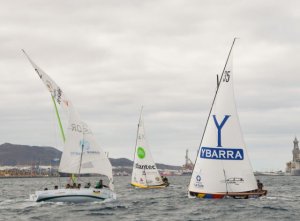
(73, 195)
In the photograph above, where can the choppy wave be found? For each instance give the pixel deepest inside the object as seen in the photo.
(281, 203)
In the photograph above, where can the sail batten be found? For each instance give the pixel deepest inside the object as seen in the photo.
(222, 164)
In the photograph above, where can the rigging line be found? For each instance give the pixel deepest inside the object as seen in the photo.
(218, 86)
(137, 135)
(225, 181)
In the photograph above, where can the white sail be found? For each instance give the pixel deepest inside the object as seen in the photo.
(144, 171)
(81, 153)
(56, 92)
(222, 163)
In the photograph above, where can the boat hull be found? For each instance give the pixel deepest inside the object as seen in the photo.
(73, 195)
(137, 185)
(238, 195)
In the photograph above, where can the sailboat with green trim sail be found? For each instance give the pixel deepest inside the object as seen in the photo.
(145, 174)
(81, 153)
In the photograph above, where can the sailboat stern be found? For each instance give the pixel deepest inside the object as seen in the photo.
(236, 195)
(73, 195)
(205, 195)
(138, 185)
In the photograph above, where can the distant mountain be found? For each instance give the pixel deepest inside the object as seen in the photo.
(124, 162)
(121, 162)
(13, 154)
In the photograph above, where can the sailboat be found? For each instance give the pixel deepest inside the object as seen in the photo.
(145, 174)
(222, 167)
(81, 153)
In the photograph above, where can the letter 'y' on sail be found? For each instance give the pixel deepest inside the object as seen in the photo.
(222, 164)
(144, 171)
(81, 153)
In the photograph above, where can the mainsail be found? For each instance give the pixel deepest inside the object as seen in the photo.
(144, 171)
(222, 164)
(81, 154)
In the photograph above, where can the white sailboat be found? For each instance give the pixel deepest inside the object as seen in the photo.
(81, 153)
(222, 167)
(145, 173)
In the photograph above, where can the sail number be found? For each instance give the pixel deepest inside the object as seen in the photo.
(80, 128)
(226, 76)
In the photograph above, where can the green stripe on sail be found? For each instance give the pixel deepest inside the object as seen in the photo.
(59, 121)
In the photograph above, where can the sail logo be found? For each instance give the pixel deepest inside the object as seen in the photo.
(145, 167)
(56, 92)
(219, 127)
(220, 153)
(85, 148)
(198, 182)
(234, 180)
(84, 145)
(141, 153)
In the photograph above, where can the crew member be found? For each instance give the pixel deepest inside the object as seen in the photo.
(259, 185)
(99, 185)
(88, 185)
(165, 180)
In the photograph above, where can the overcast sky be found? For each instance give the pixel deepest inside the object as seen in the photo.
(112, 56)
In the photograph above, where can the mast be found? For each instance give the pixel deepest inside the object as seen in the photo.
(137, 134)
(82, 146)
(80, 160)
(186, 157)
(102, 165)
(219, 81)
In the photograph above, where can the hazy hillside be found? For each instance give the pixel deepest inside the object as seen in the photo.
(13, 154)
(124, 162)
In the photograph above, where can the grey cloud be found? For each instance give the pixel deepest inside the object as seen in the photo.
(110, 57)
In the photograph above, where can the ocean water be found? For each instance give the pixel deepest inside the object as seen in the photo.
(281, 203)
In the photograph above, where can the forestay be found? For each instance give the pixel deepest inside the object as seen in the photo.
(81, 154)
(144, 170)
(222, 164)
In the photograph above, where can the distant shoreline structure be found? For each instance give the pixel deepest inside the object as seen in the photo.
(275, 173)
(24, 161)
(293, 167)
